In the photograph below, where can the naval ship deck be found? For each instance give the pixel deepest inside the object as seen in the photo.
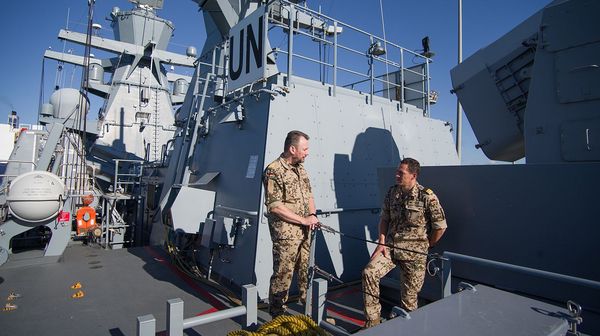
(119, 286)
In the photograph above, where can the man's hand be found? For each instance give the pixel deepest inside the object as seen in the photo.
(381, 249)
(311, 221)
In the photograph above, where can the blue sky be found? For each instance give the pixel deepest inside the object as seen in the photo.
(27, 29)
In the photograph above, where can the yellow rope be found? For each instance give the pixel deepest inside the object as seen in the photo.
(297, 325)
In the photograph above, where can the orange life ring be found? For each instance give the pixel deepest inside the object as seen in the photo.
(86, 220)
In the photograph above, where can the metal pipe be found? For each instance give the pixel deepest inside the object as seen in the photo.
(402, 80)
(427, 90)
(335, 26)
(213, 317)
(306, 58)
(246, 212)
(371, 70)
(338, 210)
(525, 270)
(458, 107)
(291, 12)
(19, 161)
(311, 273)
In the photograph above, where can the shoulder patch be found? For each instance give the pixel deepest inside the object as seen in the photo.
(429, 191)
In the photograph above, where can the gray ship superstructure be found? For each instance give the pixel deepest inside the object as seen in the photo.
(533, 94)
(137, 117)
(98, 157)
(250, 96)
(365, 106)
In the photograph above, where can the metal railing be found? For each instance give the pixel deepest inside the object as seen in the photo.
(387, 73)
(447, 272)
(6, 162)
(127, 179)
(113, 226)
(146, 325)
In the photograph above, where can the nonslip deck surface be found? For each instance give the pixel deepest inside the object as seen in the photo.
(118, 286)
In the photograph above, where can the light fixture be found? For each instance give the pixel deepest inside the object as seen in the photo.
(426, 50)
(376, 49)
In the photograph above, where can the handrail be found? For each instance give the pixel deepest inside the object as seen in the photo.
(378, 83)
(510, 267)
(339, 210)
(176, 323)
(242, 211)
(19, 161)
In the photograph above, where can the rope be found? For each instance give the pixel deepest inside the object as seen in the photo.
(329, 229)
(284, 325)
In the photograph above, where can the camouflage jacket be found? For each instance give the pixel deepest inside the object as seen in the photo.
(289, 186)
(410, 217)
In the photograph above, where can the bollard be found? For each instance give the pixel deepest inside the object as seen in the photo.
(319, 295)
(250, 301)
(175, 317)
(146, 325)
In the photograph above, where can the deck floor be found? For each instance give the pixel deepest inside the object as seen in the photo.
(119, 286)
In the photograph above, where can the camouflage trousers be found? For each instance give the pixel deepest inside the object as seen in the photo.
(289, 255)
(412, 275)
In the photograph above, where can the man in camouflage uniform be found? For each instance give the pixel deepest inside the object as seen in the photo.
(291, 214)
(412, 219)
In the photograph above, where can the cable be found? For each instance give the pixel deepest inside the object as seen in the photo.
(194, 272)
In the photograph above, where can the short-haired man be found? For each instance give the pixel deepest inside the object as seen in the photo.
(412, 219)
(291, 213)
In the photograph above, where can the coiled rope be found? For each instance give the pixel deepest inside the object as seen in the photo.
(284, 325)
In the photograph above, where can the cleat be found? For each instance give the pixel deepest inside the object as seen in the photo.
(78, 295)
(76, 285)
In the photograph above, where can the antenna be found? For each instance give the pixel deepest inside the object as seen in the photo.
(426, 50)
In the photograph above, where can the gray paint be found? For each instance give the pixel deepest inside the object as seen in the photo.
(483, 311)
(343, 169)
(538, 216)
(520, 109)
(138, 109)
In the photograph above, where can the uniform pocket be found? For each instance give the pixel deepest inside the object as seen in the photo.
(414, 215)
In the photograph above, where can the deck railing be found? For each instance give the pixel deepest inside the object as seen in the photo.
(342, 55)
